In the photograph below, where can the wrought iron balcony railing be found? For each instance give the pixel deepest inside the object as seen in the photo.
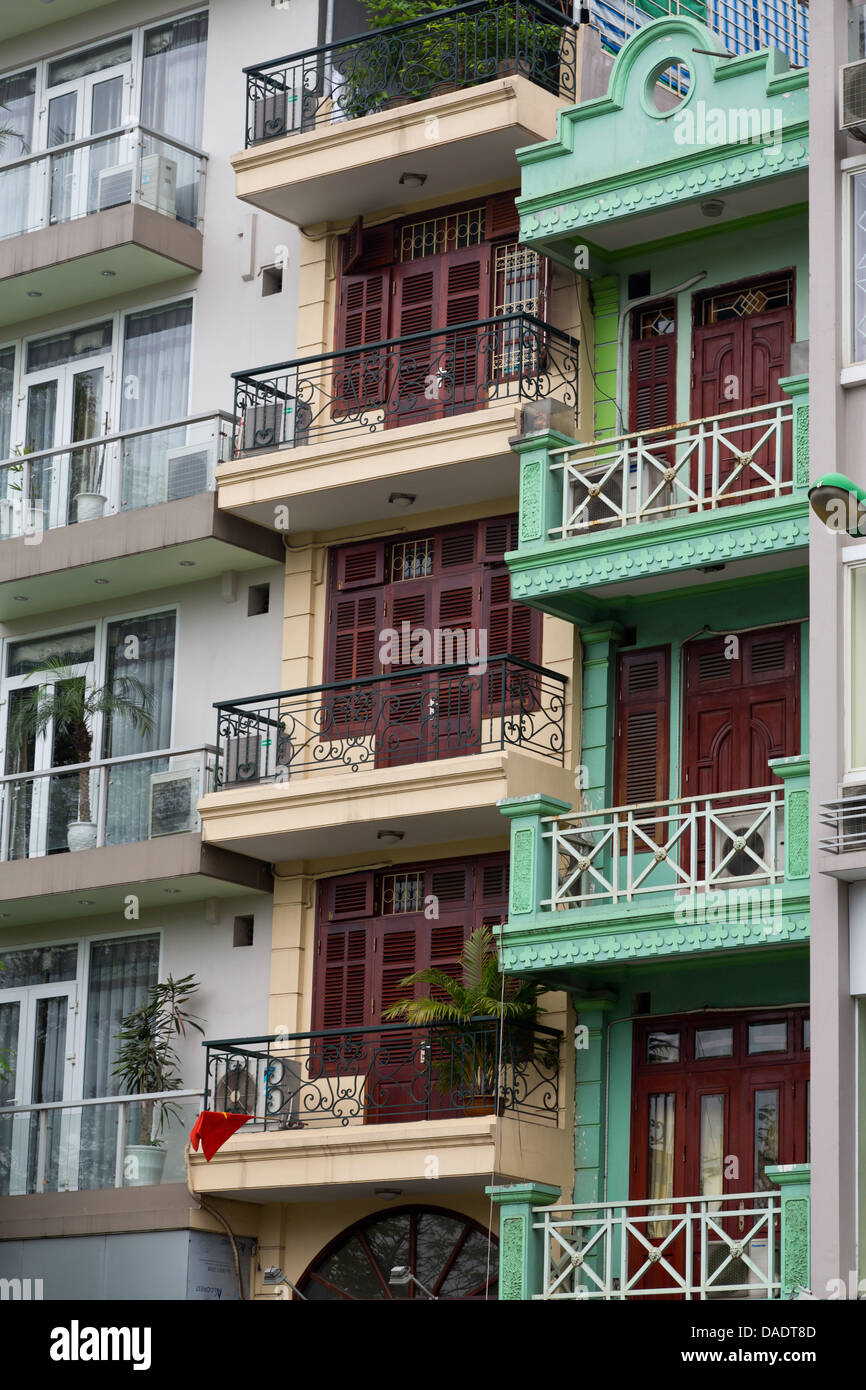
(90, 1144)
(675, 471)
(110, 801)
(445, 51)
(728, 840)
(404, 381)
(130, 164)
(743, 25)
(382, 1075)
(407, 716)
(724, 1246)
(43, 489)
(846, 821)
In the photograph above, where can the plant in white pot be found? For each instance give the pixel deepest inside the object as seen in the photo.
(90, 499)
(64, 704)
(147, 1064)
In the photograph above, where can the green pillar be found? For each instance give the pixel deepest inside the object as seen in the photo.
(605, 298)
(600, 643)
(521, 1247)
(797, 387)
(794, 1181)
(589, 1095)
(794, 772)
(531, 852)
(540, 486)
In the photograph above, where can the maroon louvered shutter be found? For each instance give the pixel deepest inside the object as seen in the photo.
(348, 896)
(342, 986)
(513, 629)
(354, 636)
(643, 715)
(353, 244)
(457, 617)
(360, 566)
(464, 299)
(652, 382)
(362, 318)
(501, 218)
(414, 365)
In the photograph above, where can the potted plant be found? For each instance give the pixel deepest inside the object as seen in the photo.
(63, 702)
(147, 1064)
(466, 1063)
(90, 499)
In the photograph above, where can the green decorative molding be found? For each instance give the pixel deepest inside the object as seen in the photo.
(530, 500)
(794, 1180)
(512, 1257)
(801, 446)
(522, 845)
(797, 835)
(651, 548)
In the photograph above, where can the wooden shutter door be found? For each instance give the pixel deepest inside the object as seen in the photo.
(403, 726)
(355, 619)
(362, 318)
(456, 696)
(642, 733)
(652, 382)
(395, 1087)
(513, 629)
(415, 385)
(342, 989)
(468, 356)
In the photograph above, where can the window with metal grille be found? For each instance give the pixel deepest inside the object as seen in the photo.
(433, 236)
(746, 300)
(401, 893)
(519, 286)
(655, 320)
(411, 559)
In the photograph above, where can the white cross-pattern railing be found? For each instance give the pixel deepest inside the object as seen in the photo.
(686, 845)
(743, 25)
(694, 1248)
(673, 470)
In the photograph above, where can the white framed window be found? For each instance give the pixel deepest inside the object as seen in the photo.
(854, 698)
(854, 262)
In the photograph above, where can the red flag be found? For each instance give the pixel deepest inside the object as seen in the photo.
(213, 1128)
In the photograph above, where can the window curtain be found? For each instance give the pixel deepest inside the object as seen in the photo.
(121, 972)
(10, 1014)
(17, 102)
(858, 267)
(9, 494)
(156, 356)
(172, 99)
(143, 649)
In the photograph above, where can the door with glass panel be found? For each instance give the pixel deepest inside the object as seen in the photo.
(68, 399)
(88, 95)
(38, 1150)
(40, 809)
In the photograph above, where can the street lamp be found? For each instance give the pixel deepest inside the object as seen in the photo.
(274, 1275)
(402, 1275)
(834, 498)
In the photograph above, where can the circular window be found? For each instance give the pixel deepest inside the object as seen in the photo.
(450, 1254)
(667, 87)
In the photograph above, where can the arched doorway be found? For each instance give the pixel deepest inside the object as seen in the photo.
(447, 1251)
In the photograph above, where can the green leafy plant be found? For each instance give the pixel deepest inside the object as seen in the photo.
(147, 1062)
(466, 1054)
(64, 702)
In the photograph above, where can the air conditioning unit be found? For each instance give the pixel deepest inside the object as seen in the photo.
(741, 865)
(173, 798)
(284, 113)
(114, 186)
(241, 762)
(188, 471)
(852, 820)
(235, 1091)
(283, 1089)
(275, 425)
(597, 513)
(737, 1272)
(158, 183)
(852, 99)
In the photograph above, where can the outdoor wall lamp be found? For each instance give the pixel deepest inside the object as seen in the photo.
(274, 1275)
(835, 500)
(402, 1275)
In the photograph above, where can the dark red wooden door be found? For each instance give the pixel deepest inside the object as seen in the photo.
(737, 364)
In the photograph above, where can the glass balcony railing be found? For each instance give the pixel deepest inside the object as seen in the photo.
(404, 381)
(130, 164)
(385, 1075)
(87, 1145)
(408, 716)
(442, 52)
(112, 801)
(742, 25)
(43, 489)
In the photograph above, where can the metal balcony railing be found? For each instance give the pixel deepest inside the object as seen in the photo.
(130, 164)
(407, 716)
(676, 470)
(86, 1145)
(743, 25)
(445, 51)
(43, 489)
(404, 381)
(110, 801)
(728, 840)
(724, 1246)
(381, 1075)
(846, 821)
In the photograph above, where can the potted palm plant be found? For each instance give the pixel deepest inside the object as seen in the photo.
(90, 499)
(466, 1061)
(147, 1064)
(63, 702)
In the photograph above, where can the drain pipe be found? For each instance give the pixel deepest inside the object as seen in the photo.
(624, 312)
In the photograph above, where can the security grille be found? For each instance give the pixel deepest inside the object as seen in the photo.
(433, 236)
